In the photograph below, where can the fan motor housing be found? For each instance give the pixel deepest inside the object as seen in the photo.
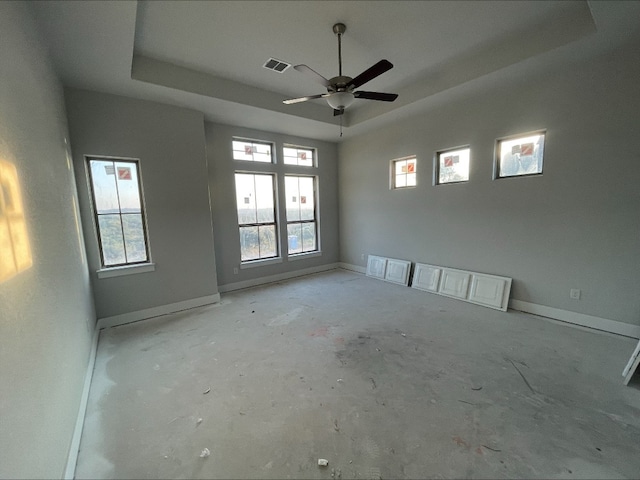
(339, 84)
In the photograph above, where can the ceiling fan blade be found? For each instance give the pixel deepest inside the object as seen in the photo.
(370, 73)
(316, 76)
(291, 101)
(337, 112)
(383, 97)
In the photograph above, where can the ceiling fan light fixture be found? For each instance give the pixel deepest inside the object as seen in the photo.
(340, 100)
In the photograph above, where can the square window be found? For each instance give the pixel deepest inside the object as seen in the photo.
(252, 151)
(403, 172)
(304, 157)
(520, 155)
(452, 166)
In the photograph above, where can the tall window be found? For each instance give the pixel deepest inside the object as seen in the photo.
(255, 202)
(301, 214)
(403, 172)
(520, 155)
(116, 192)
(452, 166)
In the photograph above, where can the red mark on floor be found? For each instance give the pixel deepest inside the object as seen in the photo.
(338, 340)
(460, 441)
(320, 332)
(479, 451)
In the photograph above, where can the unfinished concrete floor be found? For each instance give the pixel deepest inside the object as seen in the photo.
(381, 380)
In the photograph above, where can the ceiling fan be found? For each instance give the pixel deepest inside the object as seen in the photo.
(341, 89)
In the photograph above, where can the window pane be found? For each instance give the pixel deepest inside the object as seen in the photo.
(264, 198)
(294, 235)
(268, 243)
(305, 157)
(251, 151)
(105, 192)
(306, 198)
(128, 192)
(134, 237)
(521, 156)
(293, 198)
(308, 237)
(298, 156)
(453, 166)
(111, 239)
(404, 172)
(245, 198)
(249, 246)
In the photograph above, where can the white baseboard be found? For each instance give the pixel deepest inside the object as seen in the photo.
(589, 321)
(130, 317)
(74, 448)
(353, 268)
(612, 326)
(229, 287)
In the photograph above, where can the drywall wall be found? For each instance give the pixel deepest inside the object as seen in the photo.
(170, 144)
(223, 199)
(575, 226)
(46, 310)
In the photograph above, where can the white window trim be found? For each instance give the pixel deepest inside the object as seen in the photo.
(436, 166)
(120, 271)
(496, 154)
(260, 262)
(392, 174)
(314, 164)
(301, 256)
(133, 268)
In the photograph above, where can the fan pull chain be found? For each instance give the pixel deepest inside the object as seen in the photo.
(340, 125)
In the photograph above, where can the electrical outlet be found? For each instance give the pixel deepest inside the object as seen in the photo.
(235, 270)
(362, 257)
(575, 294)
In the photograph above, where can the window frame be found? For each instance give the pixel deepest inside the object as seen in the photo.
(256, 142)
(314, 152)
(436, 165)
(127, 267)
(497, 155)
(315, 220)
(392, 172)
(275, 223)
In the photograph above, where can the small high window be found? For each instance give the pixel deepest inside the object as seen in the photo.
(452, 166)
(519, 155)
(116, 193)
(403, 172)
(252, 151)
(305, 157)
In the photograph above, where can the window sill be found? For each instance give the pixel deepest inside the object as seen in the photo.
(260, 263)
(302, 256)
(126, 270)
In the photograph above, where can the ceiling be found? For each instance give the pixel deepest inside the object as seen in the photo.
(208, 55)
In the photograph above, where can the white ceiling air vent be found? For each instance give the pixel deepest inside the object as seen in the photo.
(276, 65)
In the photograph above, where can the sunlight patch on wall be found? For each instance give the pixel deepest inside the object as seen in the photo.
(15, 251)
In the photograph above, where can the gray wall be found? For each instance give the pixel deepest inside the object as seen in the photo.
(223, 200)
(576, 226)
(46, 312)
(170, 143)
